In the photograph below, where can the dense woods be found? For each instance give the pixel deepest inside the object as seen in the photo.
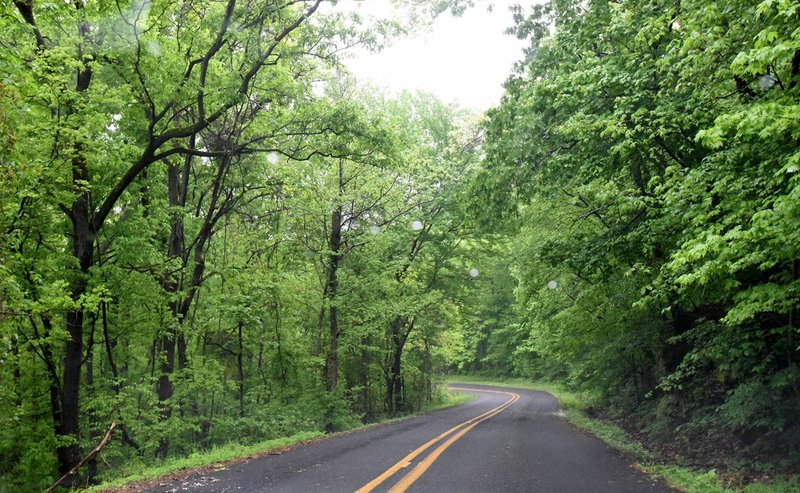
(212, 232)
(646, 157)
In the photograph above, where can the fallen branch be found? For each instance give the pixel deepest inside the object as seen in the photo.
(103, 443)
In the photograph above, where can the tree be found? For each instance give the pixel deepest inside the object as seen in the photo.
(173, 64)
(162, 238)
(656, 133)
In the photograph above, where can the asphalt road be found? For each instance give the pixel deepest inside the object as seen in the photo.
(506, 440)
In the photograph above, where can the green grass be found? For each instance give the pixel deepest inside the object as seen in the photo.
(568, 399)
(708, 482)
(784, 486)
(217, 456)
(612, 435)
(208, 458)
(575, 404)
(690, 480)
(450, 400)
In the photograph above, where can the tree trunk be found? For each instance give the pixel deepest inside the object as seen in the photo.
(83, 236)
(91, 464)
(17, 374)
(396, 393)
(366, 400)
(332, 360)
(281, 365)
(394, 388)
(164, 387)
(240, 367)
(52, 373)
(170, 284)
(82, 249)
(400, 330)
(335, 256)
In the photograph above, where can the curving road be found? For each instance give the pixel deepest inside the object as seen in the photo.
(506, 440)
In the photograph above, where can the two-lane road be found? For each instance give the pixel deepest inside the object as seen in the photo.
(505, 440)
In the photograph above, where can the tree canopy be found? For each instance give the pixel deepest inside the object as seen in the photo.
(211, 230)
(645, 155)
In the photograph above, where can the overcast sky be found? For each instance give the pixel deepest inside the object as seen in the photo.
(463, 59)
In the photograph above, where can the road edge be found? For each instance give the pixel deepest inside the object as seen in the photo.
(136, 483)
(681, 478)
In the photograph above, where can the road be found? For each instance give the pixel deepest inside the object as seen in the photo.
(506, 440)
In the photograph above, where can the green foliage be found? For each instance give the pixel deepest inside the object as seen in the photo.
(776, 486)
(568, 399)
(692, 481)
(612, 435)
(644, 159)
(198, 242)
(172, 173)
(134, 472)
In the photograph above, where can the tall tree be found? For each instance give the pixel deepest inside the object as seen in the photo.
(646, 151)
(76, 52)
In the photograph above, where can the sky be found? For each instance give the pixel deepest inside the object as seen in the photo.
(462, 59)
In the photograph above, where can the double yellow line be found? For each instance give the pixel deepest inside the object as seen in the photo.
(423, 466)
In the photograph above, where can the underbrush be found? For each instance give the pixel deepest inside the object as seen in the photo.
(144, 470)
(137, 471)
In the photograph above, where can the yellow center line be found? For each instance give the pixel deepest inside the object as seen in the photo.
(423, 466)
(409, 478)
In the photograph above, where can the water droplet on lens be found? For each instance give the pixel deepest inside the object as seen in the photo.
(766, 81)
(473, 272)
(318, 88)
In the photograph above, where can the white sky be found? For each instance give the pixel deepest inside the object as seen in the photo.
(463, 59)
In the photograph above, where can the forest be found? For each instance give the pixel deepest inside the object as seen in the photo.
(211, 231)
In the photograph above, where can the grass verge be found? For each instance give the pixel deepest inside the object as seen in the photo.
(205, 459)
(575, 404)
(133, 474)
(569, 400)
(451, 399)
